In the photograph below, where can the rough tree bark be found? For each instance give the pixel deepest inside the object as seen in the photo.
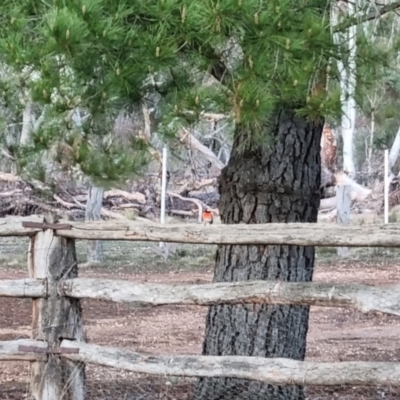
(279, 183)
(93, 213)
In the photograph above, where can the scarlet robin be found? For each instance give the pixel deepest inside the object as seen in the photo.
(207, 217)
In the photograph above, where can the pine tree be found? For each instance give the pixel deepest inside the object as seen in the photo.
(270, 59)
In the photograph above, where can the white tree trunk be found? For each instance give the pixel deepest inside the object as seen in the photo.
(349, 117)
(347, 87)
(26, 131)
(343, 199)
(7, 160)
(348, 138)
(394, 150)
(370, 145)
(11, 137)
(93, 213)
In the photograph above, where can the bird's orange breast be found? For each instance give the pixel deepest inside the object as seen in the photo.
(207, 216)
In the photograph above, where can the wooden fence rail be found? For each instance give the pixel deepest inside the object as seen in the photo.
(302, 234)
(55, 291)
(27, 287)
(11, 350)
(363, 298)
(274, 371)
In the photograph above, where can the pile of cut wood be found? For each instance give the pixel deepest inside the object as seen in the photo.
(141, 200)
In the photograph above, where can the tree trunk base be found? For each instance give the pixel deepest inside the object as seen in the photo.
(240, 389)
(277, 182)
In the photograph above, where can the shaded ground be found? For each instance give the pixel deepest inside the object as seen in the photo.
(334, 334)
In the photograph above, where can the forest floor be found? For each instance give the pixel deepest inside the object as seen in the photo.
(334, 334)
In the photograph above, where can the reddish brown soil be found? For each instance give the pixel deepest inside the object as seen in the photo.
(334, 335)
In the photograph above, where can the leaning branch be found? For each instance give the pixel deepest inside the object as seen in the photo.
(195, 144)
(360, 297)
(136, 196)
(274, 371)
(377, 13)
(7, 177)
(198, 203)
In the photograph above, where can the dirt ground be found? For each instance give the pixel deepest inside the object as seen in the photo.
(334, 334)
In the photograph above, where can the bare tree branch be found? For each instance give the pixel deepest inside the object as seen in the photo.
(377, 13)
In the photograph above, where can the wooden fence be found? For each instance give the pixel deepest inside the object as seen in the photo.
(57, 331)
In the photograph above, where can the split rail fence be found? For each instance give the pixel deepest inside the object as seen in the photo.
(57, 329)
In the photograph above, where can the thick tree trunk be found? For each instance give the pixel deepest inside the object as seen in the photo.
(93, 213)
(280, 183)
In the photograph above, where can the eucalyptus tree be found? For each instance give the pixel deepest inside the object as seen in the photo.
(378, 101)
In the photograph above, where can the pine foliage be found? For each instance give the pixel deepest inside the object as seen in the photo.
(103, 56)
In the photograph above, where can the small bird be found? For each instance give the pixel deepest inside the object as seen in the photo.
(207, 217)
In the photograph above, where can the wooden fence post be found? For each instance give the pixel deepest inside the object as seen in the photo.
(55, 318)
(343, 204)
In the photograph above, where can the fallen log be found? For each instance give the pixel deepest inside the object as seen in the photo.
(181, 212)
(11, 193)
(4, 176)
(198, 203)
(358, 192)
(197, 185)
(66, 204)
(327, 204)
(136, 196)
(327, 216)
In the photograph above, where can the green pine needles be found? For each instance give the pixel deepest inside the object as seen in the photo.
(101, 57)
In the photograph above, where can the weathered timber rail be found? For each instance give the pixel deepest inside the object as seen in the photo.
(274, 371)
(302, 234)
(55, 291)
(363, 298)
